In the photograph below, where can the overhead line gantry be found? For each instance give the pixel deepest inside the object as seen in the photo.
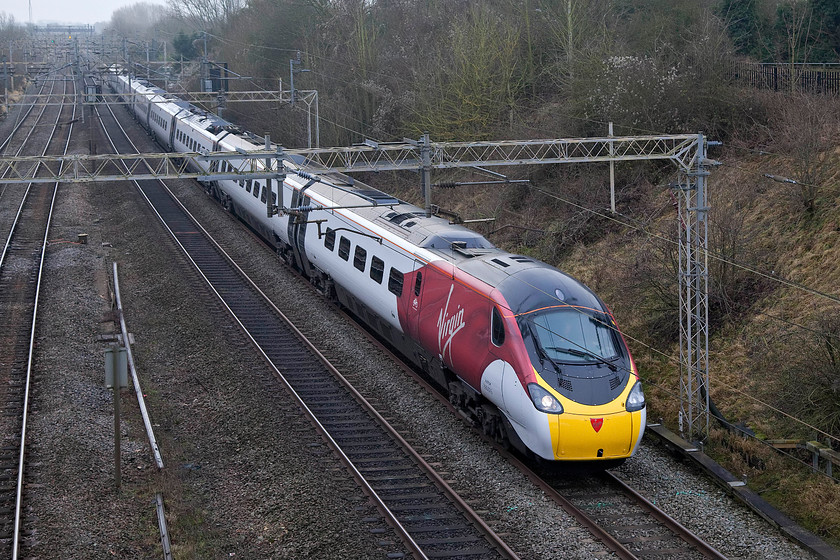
(688, 152)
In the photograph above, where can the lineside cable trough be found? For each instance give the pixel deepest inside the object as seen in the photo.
(123, 361)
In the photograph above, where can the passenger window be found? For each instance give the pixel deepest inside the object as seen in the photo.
(329, 239)
(344, 248)
(248, 184)
(377, 269)
(360, 258)
(418, 281)
(497, 328)
(262, 193)
(395, 282)
(257, 188)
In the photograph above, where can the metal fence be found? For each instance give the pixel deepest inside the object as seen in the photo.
(807, 78)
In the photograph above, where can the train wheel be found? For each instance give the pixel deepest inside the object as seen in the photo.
(492, 424)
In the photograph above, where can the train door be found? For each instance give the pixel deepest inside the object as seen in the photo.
(297, 231)
(413, 299)
(213, 168)
(173, 126)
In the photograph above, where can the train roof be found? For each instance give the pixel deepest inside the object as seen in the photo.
(186, 111)
(527, 284)
(403, 219)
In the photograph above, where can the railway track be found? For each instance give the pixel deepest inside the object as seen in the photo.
(21, 268)
(622, 519)
(616, 515)
(430, 519)
(14, 144)
(630, 525)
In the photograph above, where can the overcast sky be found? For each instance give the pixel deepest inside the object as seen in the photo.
(65, 11)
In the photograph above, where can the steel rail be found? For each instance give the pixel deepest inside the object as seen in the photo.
(675, 526)
(380, 504)
(19, 123)
(391, 517)
(31, 352)
(586, 521)
(29, 185)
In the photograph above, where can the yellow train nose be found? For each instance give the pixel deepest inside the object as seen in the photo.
(587, 437)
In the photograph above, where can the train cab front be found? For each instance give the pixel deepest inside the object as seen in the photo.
(585, 389)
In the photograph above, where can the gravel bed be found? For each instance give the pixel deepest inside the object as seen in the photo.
(245, 475)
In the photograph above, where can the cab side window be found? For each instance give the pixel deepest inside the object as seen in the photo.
(418, 282)
(497, 327)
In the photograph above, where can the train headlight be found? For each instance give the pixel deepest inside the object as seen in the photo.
(543, 400)
(636, 398)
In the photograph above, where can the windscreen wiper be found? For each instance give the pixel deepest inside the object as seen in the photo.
(583, 354)
(540, 352)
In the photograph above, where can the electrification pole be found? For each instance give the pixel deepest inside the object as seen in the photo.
(426, 171)
(292, 71)
(5, 87)
(693, 213)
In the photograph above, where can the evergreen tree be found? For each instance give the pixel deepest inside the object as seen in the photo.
(184, 45)
(743, 25)
(827, 47)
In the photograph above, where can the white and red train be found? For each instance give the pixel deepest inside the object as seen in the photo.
(529, 353)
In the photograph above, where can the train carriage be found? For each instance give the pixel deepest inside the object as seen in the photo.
(526, 351)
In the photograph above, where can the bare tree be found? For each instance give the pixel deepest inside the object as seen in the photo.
(9, 29)
(480, 82)
(137, 20)
(574, 27)
(795, 20)
(806, 129)
(206, 14)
